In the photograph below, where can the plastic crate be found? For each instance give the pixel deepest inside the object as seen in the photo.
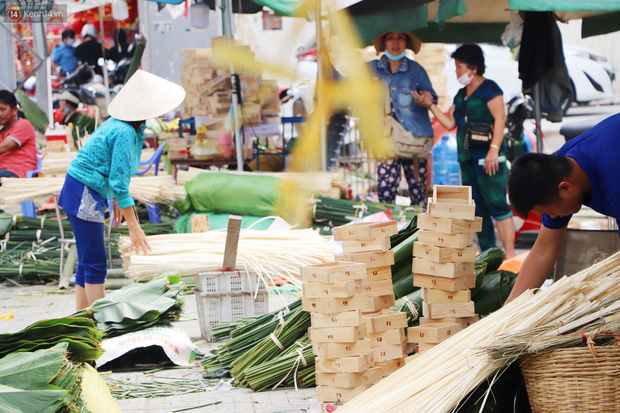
(228, 296)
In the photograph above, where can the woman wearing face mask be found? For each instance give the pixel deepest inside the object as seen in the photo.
(404, 76)
(480, 100)
(68, 102)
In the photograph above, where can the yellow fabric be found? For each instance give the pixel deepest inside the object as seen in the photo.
(96, 393)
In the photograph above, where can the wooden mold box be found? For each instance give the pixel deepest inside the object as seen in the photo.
(432, 333)
(379, 288)
(464, 322)
(343, 319)
(326, 394)
(442, 239)
(449, 225)
(349, 380)
(385, 320)
(367, 245)
(387, 338)
(443, 283)
(335, 350)
(452, 194)
(337, 334)
(365, 231)
(444, 254)
(448, 270)
(352, 364)
(379, 273)
(371, 259)
(386, 353)
(341, 289)
(431, 296)
(458, 211)
(457, 310)
(336, 305)
(333, 272)
(380, 302)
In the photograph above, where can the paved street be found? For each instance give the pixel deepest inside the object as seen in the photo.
(33, 303)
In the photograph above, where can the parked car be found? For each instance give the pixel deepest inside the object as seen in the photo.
(590, 72)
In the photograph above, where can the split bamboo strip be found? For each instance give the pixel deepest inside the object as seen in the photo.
(269, 253)
(442, 376)
(159, 189)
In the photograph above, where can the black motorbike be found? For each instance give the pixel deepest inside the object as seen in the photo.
(519, 108)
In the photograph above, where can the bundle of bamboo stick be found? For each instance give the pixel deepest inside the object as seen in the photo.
(439, 378)
(58, 162)
(160, 189)
(270, 253)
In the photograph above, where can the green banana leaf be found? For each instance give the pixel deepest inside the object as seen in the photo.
(80, 335)
(32, 112)
(40, 381)
(137, 306)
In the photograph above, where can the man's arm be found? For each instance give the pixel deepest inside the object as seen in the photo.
(539, 262)
(7, 144)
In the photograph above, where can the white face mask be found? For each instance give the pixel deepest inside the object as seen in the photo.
(465, 79)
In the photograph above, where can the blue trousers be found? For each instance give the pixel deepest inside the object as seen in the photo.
(92, 264)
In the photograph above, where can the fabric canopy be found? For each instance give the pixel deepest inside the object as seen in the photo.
(458, 21)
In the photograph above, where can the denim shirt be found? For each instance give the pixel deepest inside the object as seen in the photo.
(409, 76)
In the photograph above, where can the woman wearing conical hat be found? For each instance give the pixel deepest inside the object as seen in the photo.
(102, 169)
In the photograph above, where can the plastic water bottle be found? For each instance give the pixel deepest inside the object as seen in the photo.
(446, 168)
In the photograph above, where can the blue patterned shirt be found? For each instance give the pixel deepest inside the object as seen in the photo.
(109, 159)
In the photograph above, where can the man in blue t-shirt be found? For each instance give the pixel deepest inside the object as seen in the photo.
(63, 55)
(584, 171)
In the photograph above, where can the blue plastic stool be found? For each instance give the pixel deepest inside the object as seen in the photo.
(28, 208)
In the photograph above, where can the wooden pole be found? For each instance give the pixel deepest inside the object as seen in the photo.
(232, 241)
(199, 223)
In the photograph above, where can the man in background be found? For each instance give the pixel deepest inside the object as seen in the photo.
(18, 151)
(89, 51)
(63, 56)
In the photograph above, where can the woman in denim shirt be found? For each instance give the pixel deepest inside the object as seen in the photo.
(403, 76)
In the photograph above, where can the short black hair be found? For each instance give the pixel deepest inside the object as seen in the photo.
(68, 33)
(472, 55)
(533, 180)
(8, 98)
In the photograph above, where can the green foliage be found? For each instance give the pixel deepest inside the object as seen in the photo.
(40, 381)
(32, 112)
(137, 306)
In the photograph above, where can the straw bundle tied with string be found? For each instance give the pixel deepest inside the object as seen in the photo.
(438, 379)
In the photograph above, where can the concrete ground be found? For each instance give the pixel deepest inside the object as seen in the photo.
(33, 303)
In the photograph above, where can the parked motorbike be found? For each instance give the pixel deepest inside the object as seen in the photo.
(519, 108)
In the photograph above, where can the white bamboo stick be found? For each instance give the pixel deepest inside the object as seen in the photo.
(439, 378)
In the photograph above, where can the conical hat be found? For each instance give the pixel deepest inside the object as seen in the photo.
(413, 42)
(145, 96)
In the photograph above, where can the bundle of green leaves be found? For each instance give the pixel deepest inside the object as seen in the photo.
(137, 306)
(40, 381)
(80, 335)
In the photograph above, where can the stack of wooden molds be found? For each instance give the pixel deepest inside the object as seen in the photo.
(334, 294)
(209, 90)
(369, 243)
(443, 265)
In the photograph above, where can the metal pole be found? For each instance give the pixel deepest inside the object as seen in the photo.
(320, 77)
(43, 72)
(539, 142)
(106, 83)
(227, 29)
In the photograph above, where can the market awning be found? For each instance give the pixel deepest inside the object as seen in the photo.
(458, 21)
